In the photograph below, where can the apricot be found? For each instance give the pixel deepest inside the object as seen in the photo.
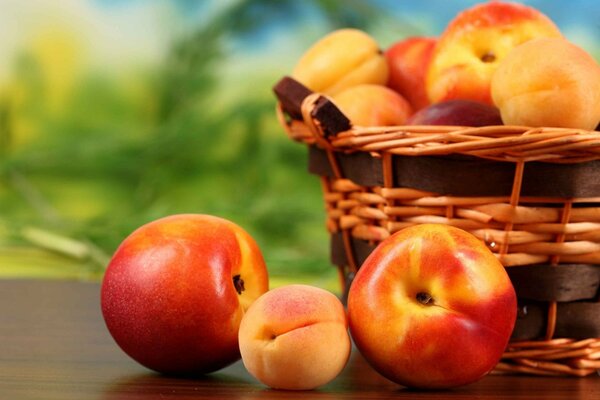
(548, 82)
(295, 337)
(342, 59)
(373, 105)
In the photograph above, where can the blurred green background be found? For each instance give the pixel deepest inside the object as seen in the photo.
(115, 113)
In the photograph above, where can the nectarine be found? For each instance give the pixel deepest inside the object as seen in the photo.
(432, 307)
(476, 40)
(176, 289)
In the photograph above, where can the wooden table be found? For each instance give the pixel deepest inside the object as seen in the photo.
(54, 345)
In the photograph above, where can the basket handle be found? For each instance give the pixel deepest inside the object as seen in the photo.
(291, 95)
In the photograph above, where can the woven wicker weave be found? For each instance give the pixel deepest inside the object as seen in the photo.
(520, 230)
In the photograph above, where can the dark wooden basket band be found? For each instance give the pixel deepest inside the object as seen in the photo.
(577, 320)
(567, 282)
(463, 175)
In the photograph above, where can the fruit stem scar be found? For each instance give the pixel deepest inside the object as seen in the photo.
(488, 57)
(425, 298)
(238, 283)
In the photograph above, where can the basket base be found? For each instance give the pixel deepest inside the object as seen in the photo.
(557, 357)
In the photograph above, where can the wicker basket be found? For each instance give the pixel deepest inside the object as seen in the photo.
(531, 194)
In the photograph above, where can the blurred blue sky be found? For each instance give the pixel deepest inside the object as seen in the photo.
(145, 25)
(572, 11)
(573, 15)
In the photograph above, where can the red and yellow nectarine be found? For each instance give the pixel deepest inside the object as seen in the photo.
(476, 40)
(176, 289)
(432, 307)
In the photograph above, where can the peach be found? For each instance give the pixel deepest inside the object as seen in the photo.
(548, 82)
(373, 105)
(432, 307)
(408, 60)
(342, 59)
(295, 337)
(475, 42)
(175, 291)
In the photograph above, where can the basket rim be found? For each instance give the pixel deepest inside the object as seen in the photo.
(325, 125)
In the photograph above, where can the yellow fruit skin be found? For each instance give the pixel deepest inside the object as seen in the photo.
(342, 59)
(548, 82)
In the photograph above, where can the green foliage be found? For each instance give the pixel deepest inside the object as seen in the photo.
(189, 143)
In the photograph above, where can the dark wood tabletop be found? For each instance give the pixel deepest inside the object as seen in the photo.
(54, 345)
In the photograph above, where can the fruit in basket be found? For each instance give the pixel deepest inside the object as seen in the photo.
(457, 112)
(373, 105)
(295, 337)
(548, 82)
(176, 289)
(432, 307)
(408, 60)
(342, 59)
(475, 42)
